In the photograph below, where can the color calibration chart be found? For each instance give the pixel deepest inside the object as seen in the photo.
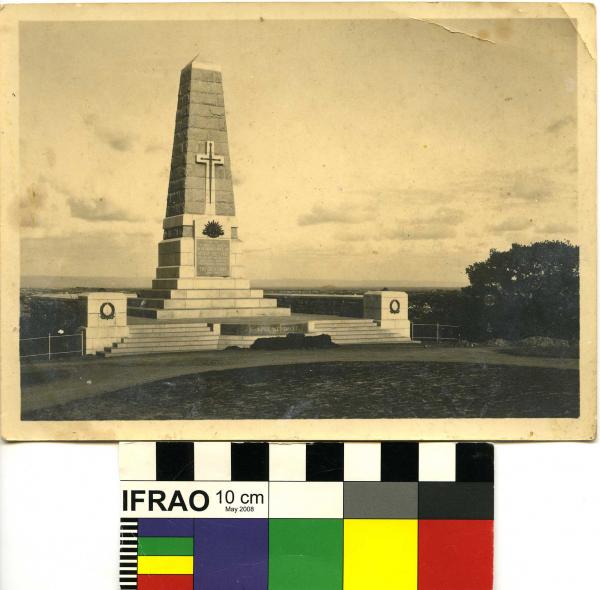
(306, 516)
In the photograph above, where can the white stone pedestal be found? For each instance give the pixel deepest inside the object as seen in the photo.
(106, 319)
(389, 309)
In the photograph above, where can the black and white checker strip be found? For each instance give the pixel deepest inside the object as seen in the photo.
(128, 554)
(326, 461)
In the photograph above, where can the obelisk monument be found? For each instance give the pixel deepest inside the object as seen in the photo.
(200, 272)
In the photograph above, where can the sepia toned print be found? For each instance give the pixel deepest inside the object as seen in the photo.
(299, 222)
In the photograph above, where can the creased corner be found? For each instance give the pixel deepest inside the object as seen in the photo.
(573, 22)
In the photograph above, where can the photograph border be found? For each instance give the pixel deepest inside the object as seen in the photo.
(582, 16)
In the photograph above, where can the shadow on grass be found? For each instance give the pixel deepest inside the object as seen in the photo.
(556, 353)
(389, 389)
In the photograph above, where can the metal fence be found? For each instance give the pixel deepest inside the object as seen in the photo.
(51, 346)
(435, 332)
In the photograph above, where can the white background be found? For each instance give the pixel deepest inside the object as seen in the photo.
(59, 506)
(60, 516)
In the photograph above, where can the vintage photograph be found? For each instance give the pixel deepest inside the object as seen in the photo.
(300, 221)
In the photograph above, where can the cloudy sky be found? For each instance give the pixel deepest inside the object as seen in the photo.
(361, 150)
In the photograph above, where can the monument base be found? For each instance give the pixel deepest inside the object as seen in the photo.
(389, 309)
(151, 336)
(219, 313)
(400, 327)
(203, 298)
(105, 320)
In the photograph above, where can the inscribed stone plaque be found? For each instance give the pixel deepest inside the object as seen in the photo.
(212, 258)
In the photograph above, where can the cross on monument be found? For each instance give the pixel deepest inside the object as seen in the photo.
(211, 160)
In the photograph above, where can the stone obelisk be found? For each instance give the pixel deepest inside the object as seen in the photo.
(199, 273)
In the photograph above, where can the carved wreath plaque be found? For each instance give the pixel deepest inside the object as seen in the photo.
(107, 311)
(394, 306)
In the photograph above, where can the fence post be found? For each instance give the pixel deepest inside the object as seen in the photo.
(82, 344)
(437, 332)
(49, 346)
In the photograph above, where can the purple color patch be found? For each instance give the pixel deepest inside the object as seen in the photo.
(166, 527)
(231, 554)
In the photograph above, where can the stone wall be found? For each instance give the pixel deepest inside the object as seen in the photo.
(350, 306)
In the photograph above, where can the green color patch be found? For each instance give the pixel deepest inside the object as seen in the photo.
(305, 553)
(165, 546)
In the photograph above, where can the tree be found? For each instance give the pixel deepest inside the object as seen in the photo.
(526, 291)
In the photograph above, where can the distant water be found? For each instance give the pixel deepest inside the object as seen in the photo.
(56, 282)
(88, 282)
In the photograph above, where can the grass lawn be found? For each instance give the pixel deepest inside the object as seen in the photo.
(347, 382)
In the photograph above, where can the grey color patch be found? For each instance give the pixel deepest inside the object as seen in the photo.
(380, 499)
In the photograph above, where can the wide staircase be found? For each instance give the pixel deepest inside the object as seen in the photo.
(356, 331)
(153, 338)
(164, 338)
(165, 304)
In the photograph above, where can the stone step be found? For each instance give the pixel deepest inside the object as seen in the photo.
(199, 328)
(171, 336)
(398, 340)
(361, 329)
(215, 313)
(201, 293)
(342, 323)
(343, 329)
(162, 349)
(371, 336)
(364, 336)
(351, 329)
(153, 344)
(344, 320)
(172, 328)
(348, 327)
(201, 283)
(200, 303)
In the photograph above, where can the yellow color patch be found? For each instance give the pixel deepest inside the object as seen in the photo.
(380, 554)
(171, 564)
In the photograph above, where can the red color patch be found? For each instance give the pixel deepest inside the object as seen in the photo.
(456, 554)
(165, 582)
